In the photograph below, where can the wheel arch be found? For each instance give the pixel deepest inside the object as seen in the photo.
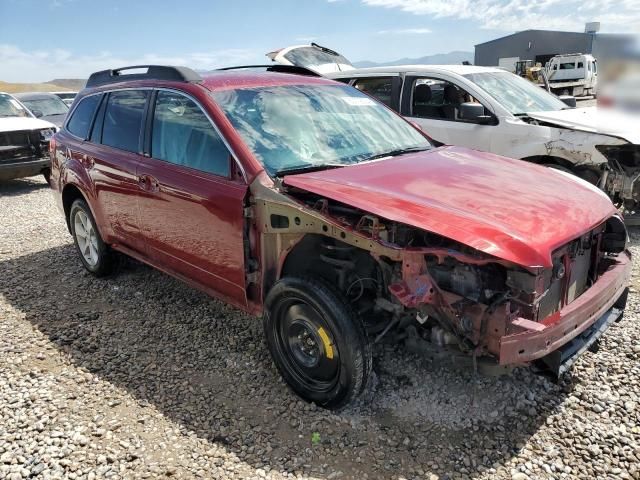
(547, 160)
(326, 258)
(589, 173)
(70, 193)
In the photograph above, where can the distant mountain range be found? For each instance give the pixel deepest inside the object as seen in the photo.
(70, 83)
(452, 58)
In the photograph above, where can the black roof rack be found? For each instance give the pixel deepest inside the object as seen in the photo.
(279, 68)
(154, 72)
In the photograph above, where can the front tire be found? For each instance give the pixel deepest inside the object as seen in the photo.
(317, 342)
(94, 253)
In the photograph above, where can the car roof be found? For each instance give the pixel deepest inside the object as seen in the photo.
(220, 80)
(459, 69)
(231, 79)
(33, 95)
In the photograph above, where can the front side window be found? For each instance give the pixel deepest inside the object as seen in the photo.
(438, 99)
(123, 119)
(315, 126)
(182, 134)
(378, 87)
(80, 120)
(516, 94)
(10, 107)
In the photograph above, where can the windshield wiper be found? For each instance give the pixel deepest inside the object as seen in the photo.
(307, 168)
(395, 153)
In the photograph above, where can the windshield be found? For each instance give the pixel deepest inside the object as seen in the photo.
(48, 106)
(515, 93)
(305, 126)
(10, 107)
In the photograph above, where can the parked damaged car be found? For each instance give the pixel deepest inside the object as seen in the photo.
(24, 141)
(492, 110)
(44, 105)
(307, 202)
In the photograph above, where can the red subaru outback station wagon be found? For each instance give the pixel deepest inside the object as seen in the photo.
(309, 203)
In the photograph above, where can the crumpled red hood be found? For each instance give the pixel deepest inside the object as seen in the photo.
(507, 208)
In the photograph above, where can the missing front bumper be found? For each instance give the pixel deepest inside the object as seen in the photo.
(562, 359)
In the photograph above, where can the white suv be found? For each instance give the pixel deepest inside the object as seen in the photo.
(496, 111)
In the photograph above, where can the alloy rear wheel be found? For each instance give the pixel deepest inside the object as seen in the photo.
(95, 255)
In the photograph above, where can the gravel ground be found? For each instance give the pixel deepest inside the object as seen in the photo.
(140, 376)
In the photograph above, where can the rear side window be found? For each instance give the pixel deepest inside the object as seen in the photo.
(123, 119)
(182, 134)
(80, 120)
(378, 87)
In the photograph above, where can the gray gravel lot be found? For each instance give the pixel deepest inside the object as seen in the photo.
(140, 376)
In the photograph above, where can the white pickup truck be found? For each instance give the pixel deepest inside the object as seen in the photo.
(573, 74)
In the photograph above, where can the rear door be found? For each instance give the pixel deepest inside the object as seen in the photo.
(111, 166)
(112, 160)
(385, 88)
(191, 202)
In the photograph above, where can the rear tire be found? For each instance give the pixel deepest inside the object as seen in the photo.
(317, 342)
(46, 173)
(95, 255)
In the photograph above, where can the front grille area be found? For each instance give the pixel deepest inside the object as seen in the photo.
(573, 272)
(22, 145)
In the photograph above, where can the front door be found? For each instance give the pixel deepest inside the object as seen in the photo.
(191, 210)
(434, 104)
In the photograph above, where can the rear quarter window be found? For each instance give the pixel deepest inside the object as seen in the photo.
(81, 118)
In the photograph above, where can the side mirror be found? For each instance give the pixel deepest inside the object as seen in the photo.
(474, 112)
(568, 100)
(37, 113)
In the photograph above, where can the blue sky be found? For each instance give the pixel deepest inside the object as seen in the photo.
(44, 39)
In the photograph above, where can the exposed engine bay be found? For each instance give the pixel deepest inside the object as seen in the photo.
(433, 293)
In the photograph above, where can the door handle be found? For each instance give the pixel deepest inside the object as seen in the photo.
(148, 183)
(88, 161)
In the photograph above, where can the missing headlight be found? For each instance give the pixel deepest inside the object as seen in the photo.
(614, 238)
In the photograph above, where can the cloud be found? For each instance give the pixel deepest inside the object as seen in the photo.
(513, 15)
(306, 39)
(42, 65)
(405, 31)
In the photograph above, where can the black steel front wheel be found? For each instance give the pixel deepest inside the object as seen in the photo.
(317, 342)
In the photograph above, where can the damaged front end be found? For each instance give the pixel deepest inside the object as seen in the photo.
(440, 296)
(623, 179)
